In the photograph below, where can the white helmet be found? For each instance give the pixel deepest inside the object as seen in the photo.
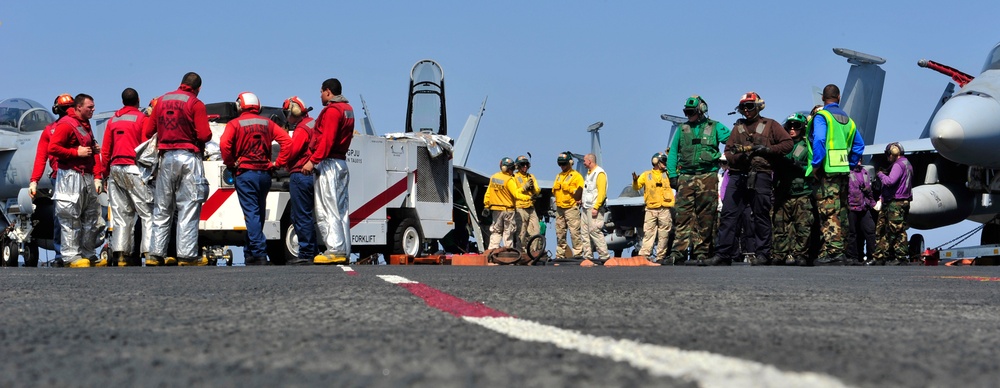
(247, 101)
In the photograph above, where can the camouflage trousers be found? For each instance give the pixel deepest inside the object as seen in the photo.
(831, 210)
(793, 220)
(696, 210)
(890, 231)
(568, 220)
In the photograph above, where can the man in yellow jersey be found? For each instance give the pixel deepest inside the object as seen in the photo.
(526, 209)
(659, 199)
(595, 193)
(566, 191)
(500, 197)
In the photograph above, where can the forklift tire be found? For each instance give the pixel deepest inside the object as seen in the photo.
(280, 251)
(408, 239)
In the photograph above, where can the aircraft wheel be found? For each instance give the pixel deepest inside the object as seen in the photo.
(229, 257)
(916, 247)
(8, 258)
(31, 255)
(408, 238)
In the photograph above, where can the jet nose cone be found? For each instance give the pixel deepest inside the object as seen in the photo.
(947, 134)
(967, 130)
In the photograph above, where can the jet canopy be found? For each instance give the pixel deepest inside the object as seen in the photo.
(993, 60)
(426, 106)
(23, 115)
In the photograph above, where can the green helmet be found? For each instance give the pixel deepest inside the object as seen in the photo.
(659, 158)
(697, 104)
(507, 164)
(797, 121)
(565, 158)
(522, 161)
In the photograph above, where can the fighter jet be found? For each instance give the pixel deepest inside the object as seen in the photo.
(26, 226)
(956, 155)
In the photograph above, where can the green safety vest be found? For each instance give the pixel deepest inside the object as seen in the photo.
(839, 139)
(698, 151)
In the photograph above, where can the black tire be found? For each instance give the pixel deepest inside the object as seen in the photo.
(535, 248)
(916, 246)
(31, 255)
(408, 238)
(286, 248)
(10, 252)
(229, 257)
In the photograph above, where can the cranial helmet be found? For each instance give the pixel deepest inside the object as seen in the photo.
(893, 149)
(62, 102)
(247, 101)
(659, 158)
(294, 106)
(522, 161)
(506, 164)
(796, 119)
(697, 104)
(565, 158)
(751, 98)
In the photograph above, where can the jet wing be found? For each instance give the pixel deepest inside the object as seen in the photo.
(910, 146)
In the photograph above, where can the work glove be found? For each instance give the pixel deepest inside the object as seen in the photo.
(32, 189)
(99, 184)
(486, 212)
(759, 149)
(673, 182)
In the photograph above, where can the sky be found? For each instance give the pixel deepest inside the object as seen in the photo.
(549, 68)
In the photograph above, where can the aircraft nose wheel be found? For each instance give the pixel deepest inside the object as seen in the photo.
(9, 253)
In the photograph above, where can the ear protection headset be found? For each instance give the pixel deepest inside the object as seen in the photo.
(893, 149)
(62, 102)
(696, 102)
(506, 164)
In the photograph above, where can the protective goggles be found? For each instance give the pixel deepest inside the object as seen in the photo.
(794, 125)
(690, 111)
(748, 106)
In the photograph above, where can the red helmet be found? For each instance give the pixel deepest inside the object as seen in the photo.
(294, 106)
(62, 102)
(751, 98)
(247, 101)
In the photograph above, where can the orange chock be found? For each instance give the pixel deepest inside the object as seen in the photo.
(635, 261)
(473, 260)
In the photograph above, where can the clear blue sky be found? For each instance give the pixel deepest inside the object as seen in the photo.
(549, 68)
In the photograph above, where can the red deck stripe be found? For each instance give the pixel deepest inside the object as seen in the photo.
(451, 304)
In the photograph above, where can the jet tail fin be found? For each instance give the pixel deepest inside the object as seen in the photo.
(366, 124)
(861, 97)
(464, 144)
